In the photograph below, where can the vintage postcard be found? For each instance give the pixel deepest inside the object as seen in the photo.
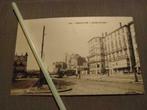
(83, 55)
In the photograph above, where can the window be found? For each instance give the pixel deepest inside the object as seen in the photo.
(98, 65)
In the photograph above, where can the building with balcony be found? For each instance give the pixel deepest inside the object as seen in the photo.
(116, 51)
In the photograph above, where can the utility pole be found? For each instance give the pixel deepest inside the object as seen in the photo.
(42, 46)
(41, 76)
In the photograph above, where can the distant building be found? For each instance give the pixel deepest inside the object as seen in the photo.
(20, 65)
(115, 51)
(74, 60)
(77, 63)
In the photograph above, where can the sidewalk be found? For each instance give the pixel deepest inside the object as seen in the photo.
(123, 78)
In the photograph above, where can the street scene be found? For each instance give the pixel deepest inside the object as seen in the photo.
(83, 55)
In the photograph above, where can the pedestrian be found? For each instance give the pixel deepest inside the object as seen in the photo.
(79, 74)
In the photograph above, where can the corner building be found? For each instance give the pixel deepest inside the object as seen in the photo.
(114, 52)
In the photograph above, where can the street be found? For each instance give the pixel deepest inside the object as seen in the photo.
(99, 85)
(90, 84)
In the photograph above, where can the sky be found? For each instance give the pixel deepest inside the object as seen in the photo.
(63, 35)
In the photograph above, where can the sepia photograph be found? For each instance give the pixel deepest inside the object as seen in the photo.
(83, 55)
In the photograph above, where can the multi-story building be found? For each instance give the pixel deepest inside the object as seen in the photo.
(115, 51)
(96, 55)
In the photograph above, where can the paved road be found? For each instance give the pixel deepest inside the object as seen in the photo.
(123, 85)
(93, 85)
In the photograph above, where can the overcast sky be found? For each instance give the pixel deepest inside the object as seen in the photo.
(64, 35)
